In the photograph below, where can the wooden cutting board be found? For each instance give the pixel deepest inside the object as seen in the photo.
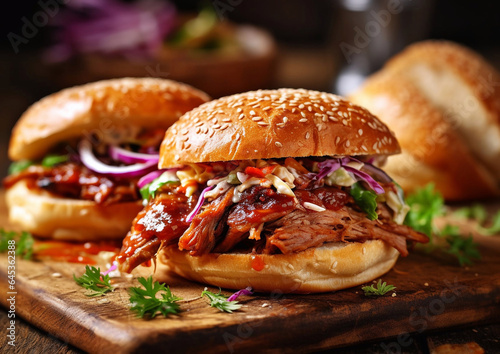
(432, 293)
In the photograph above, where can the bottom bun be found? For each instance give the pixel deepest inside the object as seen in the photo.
(47, 216)
(333, 266)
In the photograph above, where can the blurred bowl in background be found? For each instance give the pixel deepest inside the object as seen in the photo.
(218, 73)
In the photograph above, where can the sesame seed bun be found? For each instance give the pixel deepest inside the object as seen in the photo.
(103, 108)
(332, 266)
(273, 124)
(443, 102)
(100, 108)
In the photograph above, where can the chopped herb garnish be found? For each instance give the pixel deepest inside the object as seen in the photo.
(19, 166)
(365, 199)
(463, 248)
(427, 204)
(94, 281)
(379, 290)
(145, 301)
(220, 302)
(24, 242)
(52, 160)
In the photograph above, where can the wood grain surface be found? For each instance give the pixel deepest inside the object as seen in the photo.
(432, 293)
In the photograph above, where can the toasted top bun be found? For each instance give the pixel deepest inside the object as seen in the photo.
(332, 266)
(464, 87)
(99, 108)
(433, 149)
(274, 124)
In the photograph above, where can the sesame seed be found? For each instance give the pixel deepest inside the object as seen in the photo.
(360, 132)
(278, 144)
(237, 137)
(216, 126)
(309, 108)
(375, 146)
(214, 120)
(301, 106)
(344, 121)
(256, 119)
(347, 143)
(333, 119)
(308, 135)
(242, 115)
(364, 147)
(252, 113)
(263, 124)
(303, 114)
(177, 157)
(285, 119)
(337, 140)
(267, 108)
(303, 120)
(294, 110)
(239, 110)
(227, 120)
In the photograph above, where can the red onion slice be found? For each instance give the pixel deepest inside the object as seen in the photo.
(119, 154)
(197, 208)
(93, 163)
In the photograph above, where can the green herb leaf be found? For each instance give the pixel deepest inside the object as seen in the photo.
(495, 226)
(146, 302)
(476, 212)
(19, 166)
(425, 204)
(365, 199)
(24, 242)
(220, 302)
(149, 190)
(94, 281)
(463, 248)
(379, 290)
(52, 160)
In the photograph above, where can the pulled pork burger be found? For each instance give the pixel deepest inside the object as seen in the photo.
(277, 190)
(78, 155)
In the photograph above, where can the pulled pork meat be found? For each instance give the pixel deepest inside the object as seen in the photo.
(272, 222)
(74, 181)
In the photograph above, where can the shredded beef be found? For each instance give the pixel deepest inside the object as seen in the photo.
(256, 206)
(301, 230)
(207, 226)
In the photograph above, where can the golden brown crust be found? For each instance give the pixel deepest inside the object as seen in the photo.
(275, 123)
(46, 216)
(331, 267)
(100, 107)
(433, 150)
(463, 86)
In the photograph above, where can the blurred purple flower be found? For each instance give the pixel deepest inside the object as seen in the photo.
(133, 30)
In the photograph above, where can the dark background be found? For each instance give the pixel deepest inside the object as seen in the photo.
(307, 33)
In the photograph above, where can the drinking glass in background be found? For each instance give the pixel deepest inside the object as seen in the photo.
(366, 33)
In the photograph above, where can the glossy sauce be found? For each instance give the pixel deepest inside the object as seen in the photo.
(73, 252)
(257, 263)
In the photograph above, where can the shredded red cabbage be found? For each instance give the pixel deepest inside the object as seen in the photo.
(150, 177)
(134, 30)
(329, 166)
(197, 208)
(247, 291)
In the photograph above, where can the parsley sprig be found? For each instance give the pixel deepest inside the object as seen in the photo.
(479, 213)
(463, 248)
(426, 205)
(145, 301)
(379, 290)
(94, 281)
(24, 242)
(220, 301)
